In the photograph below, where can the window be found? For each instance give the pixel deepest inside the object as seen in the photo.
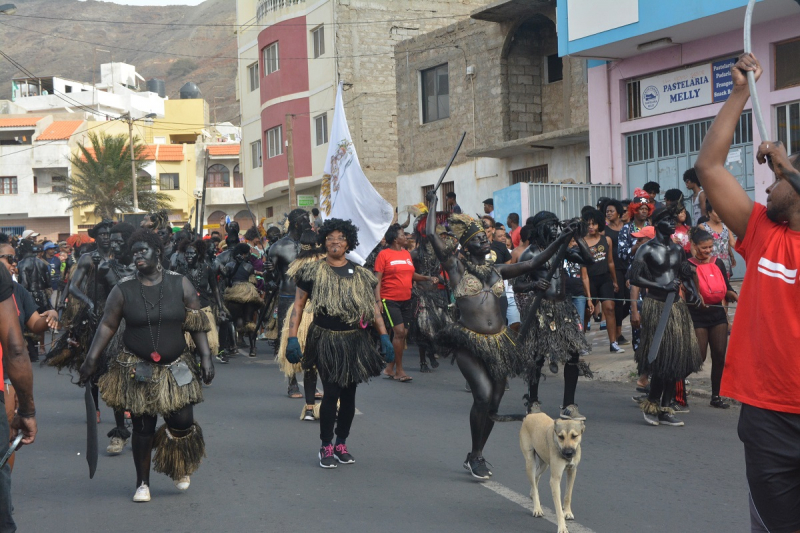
(274, 141)
(446, 187)
(555, 68)
(435, 94)
(789, 126)
(252, 72)
(319, 41)
(35, 184)
(321, 125)
(271, 59)
(787, 70)
(170, 182)
(255, 153)
(530, 175)
(425, 190)
(8, 185)
(237, 177)
(59, 184)
(218, 176)
(270, 212)
(634, 101)
(160, 140)
(67, 88)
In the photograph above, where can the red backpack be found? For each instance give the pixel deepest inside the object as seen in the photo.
(711, 281)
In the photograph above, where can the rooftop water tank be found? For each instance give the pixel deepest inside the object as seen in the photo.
(157, 86)
(189, 91)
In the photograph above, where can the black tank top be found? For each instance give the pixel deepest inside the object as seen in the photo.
(599, 252)
(137, 336)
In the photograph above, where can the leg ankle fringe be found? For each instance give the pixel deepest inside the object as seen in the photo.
(122, 433)
(650, 408)
(302, 331)
(178, 455)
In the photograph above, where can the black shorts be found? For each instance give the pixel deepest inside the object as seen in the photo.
(397, 313)
(601, 288)
(772, 458)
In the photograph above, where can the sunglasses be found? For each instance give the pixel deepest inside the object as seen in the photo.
(10, 258)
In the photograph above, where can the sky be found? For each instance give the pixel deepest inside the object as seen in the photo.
(156, 2)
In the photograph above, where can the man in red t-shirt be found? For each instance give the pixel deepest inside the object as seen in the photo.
(762, 369)
(512, 221)
(395, 272)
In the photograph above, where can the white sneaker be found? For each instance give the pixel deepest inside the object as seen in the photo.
(142, 494)
(182, 483)
(614, 348)
(116, 445)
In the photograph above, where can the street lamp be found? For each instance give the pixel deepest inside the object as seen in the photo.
(8, 9)
(131, 120)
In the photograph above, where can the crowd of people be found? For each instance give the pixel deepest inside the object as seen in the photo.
(141, 314)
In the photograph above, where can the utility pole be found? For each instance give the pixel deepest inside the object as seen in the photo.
(133, 165)
(290, 158)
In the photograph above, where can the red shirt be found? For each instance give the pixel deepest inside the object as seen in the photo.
(515, 238)
(397, 269)
(762, 367)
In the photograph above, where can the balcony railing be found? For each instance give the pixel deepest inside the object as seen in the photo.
(268, 6)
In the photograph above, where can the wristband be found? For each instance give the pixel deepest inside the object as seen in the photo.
(27, 415)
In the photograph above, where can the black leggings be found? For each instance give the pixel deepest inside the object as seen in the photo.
(571, 374)
(310, 385)
(662, 391)
(144, 430)
(717, 338)
(486, 396)
(327, 411)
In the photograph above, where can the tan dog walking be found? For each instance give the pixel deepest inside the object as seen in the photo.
(557, 444)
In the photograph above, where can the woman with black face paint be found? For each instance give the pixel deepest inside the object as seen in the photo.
(155, 373)
(338, 343)
(484, 348)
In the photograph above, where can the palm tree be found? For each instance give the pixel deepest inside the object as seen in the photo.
(102, 178)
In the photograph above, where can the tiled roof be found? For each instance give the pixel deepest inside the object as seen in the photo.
(149, 152)
(59, 130)
(224, 149)
(19, 122)
(170, 152)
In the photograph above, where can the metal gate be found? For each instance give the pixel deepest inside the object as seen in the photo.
(663, 155)
(567, 200)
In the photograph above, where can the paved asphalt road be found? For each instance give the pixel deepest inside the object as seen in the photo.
(261, 473)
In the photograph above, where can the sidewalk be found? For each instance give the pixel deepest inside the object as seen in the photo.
(621, 367)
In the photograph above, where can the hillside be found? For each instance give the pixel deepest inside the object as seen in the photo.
(58, 47)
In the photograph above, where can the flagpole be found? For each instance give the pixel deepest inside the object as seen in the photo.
(290, 158)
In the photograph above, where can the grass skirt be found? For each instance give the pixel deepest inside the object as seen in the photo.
(430, 317)
(243, 292)
(159, 396)
(679, 354)
(342, 357)
(178, 455)
(212, 333)
(305, 322)
(555, 335)
(70, 349)
(499, 352)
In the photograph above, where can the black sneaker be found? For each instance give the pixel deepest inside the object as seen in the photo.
(477, 467)
(326, 458)
(621, 340)
(222, 358)
(678, 408)
(308, 416)
(717, 402)
(342, 455)
(653, 420)
(668, 419)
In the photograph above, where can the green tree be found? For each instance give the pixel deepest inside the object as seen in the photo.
(101, 179)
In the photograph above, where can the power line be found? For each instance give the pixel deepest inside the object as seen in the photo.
(43, 143)
(174, 54)
(245, 24)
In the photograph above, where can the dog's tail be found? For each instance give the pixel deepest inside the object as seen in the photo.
(507, 418)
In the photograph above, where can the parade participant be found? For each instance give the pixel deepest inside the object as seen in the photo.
(395, 272)
(338, 343)
(204, 281)
(54, 262)
(683, 220)
(18, 370)
(556, 336)
(711, 319)
(762, 369)
(601, 273)
(483, 348)
(34, 274)
(310, 251)
(241, 297)
(431, 301)
(281, 255)
(82, 285)
(155, 373)
(698, 195)
(723, 238)
(232, 234)
(660, 266)
(77, 242)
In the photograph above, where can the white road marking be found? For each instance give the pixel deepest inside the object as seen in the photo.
(525, 501)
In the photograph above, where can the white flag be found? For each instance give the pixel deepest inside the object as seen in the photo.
(346, 191)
